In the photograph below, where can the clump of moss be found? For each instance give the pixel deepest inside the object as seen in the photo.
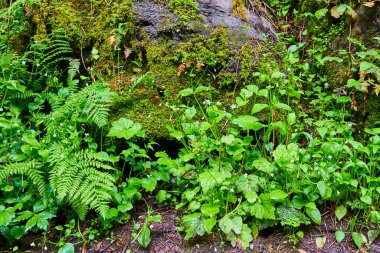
(186, 10)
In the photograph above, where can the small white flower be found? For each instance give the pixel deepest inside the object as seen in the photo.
(148, 176)
(32, 244)
(203, 118)
(160, 104)
(151, 226)
(23, 62)
(61, 124)
(207, 102)
(233, 106)
(215, 249)
(22, 138)
(38, 64)
(86, 84)
(177, 108)
(245, 175)
(52, 118)
(70, 127)
(329, 156)
(338, 192)
(232, 190)
(18, 131)
(149, 116)
(288, 69)
(271, 174)
(86, 134)
(54, 135)
(45, 248)
(62, 156)
(1, 109)
(45, 74)
(163, 86)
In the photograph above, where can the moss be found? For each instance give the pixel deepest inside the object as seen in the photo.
(186, 10)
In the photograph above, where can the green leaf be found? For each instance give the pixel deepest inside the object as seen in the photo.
(186, 92)
(226, 224)
(149, 183)
(125, 128)
(322, 131)
(209, 225)
(227, 139)
(237, 222)
(366, 199)
(321, 13)
(324, 190)
(339, 235)
(258, 107)
(277, 75)
(67, 248)
(6, 217)
(209, 209)
(358, 239)
(283, 106)
(31, 223)
(201, 89)
(194, 225)
(125, 207)
(247, 122)
(278, 195)
(291, 118)
(144, 237)
(161, 196)
(340, 212)
(320, 242)
(314, 215)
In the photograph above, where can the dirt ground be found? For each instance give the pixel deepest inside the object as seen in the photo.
(166, 239)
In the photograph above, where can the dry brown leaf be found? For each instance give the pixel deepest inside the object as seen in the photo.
(365, 86)
(127, 53)
(112, 40)
(181, 69)
(376, 89)
(369, 4)
(335, 13)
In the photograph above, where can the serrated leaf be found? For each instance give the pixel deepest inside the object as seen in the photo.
(6, 217)
(209, 209)
(321, 13)
(125, 128)
(340, 212)
(339, 235)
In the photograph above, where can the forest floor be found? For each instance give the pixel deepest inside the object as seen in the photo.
(167, 239)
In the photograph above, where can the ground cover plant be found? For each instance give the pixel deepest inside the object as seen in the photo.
(269, 147)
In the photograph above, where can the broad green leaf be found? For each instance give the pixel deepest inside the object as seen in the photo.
(340, 212)
(322, 131)
(278, 195)
(366, 199)
(209, 209)
(324, 190)
(358, 239)
(144, 237)
(291, 118)
(321, 13)
(314, 215)
(6, 217)
(277, 75)
(226, 224)
(209, 225)
(200, 89)
(227, 139)
(320, 242)
(237, 222)
(186, 92)
(125, 128)
(149, 183)
(67, 248)
(339, 235)
(258, 107)
(283, 106)
(245, 121)
(125, 207)
(161, 196)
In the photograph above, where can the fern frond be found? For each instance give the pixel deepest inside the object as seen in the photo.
(81, 179)
(31, 169)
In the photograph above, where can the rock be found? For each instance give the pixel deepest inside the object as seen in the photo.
(158, 20)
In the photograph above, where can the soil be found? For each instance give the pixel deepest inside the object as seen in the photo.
(167, 239)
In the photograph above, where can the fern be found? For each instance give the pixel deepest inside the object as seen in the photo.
(31, 169)
(81, 179)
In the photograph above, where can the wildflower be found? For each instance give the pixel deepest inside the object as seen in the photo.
(86, 134)
(271, 174)
(23, 62)
(151, 226)
(1, 109)
(329, 156)
(38, 64)
(22, 138)
(232, 190)
(207, 102)
(45, 248)
(177, 108)
(233, 106)
(61, 124)
(245, 175)
(54, 135)
(52, 118)
(32, 244)
(45, 74)
(338, 192)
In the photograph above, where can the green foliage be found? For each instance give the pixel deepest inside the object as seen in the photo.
(185, 9)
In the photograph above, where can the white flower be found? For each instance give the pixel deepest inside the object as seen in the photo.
(329, 156)
(86, 134)
(233, 106)
(271, 174)
(61, 124)
(232, 190)
(23, 62)
(70, 127)
(1, 109)
(45, 248)
(245, 175)
(207, 102)
(45, 74)
(203, 118)
(22, 138)
(338, 192)
(177, 108)
(38, 64)
(32, 244)
(54, 135)
(151, 226)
